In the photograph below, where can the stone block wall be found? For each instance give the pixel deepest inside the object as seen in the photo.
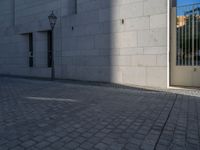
(120, 41)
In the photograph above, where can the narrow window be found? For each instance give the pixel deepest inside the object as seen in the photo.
(49, 42)
(30, 49)
(13, 12)
(76, 7)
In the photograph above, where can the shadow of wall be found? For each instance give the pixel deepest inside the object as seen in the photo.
(87, 41)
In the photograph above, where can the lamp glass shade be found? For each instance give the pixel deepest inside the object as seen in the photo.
(52, 19)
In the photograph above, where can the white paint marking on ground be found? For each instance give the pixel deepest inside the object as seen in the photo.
(51, 99)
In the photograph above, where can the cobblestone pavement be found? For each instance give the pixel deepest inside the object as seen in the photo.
(45, 115)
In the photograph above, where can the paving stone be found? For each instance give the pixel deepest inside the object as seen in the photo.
(101, 146)
(94, 140)
(42, 144)
(17, 148)
(57, 145)
(86, 145)
(66, 139)
(132, 147)
(52, 139)
(116, 146)
(72, 145)
(100, 135)
(32, 148)
(13, 143)
(28, 143)
(3, 141)
(48, 148)
(108, 140)
(38, 138)
(3, 147)
(25, 138)
(80, 139)
(162, 147)
(87, 135)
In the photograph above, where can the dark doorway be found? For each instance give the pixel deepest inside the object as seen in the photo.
(49, 46)
(30, 49)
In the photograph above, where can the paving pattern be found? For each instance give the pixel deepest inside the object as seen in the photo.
(45, 115)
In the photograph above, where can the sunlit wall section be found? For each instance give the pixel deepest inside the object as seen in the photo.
(139, 42)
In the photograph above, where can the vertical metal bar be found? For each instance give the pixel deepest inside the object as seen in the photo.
(178, 46)
(196, 39)
(189, 39)
(177, 39)
(195, 56)
(182, 43)
(185, 44)
(193, 35)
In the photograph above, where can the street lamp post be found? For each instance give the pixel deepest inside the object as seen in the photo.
(52, 20)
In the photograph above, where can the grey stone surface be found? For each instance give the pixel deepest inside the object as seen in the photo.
(46, 115)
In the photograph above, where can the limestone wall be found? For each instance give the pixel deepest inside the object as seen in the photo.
(120, 41)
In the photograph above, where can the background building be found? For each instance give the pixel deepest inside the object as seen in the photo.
(119, 41)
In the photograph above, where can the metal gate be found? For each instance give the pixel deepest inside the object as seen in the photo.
(188, 37)
(185, 62)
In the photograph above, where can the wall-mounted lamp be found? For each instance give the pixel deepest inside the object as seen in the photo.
(123, 21)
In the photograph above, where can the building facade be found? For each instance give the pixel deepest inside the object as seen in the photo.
(118, 41)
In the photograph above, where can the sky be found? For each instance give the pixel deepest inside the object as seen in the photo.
(186, 2)
(181, 10)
